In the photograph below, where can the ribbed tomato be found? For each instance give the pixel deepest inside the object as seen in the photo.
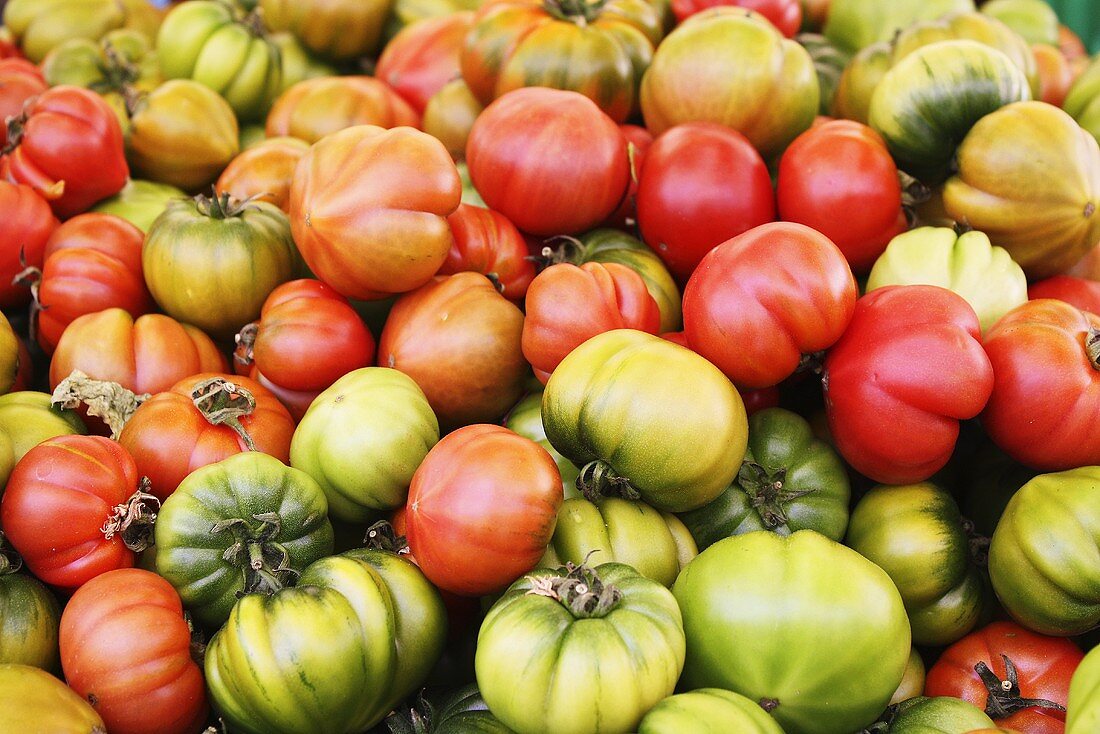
(486, 242)
(24, 229)
(1079, 292)
(264, 171)
(786, 15)
(424, 56)
(312, 109)
(19, 81)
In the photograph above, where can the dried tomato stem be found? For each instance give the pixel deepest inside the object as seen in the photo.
(134, 519)
(102, 398)
(580, 590)
(224, 403)
(1004, 695)
(597, 479)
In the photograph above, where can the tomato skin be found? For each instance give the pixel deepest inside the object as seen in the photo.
(1084, 704)
(29, 617)
(708, 709)
(526, 420)
(638, 140)
(314, 108)
(57, 500)
(28, 418)
(265, 170)
(339, 31)
(450, 115)
(24, 232)
(857, 83)
(482, 507)
(123, 636)
(35, 701)
(486, 242)
(1045, 666)
(936, 715)
(19, 81)
(843, 166)
(700, 185)
(923, 346)
(567, 305)
(139, 202)
(760, 301)
(424, 56)
(1078, 292)
(514, 158)
(786, 15)
(70, 150)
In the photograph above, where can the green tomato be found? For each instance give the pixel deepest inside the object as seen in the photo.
(862, 75)
(941, 715)
(811, 629)
(41, 25)
(243, 524)
(1044, 559)
(655, 544)
(1035, 20)
(29, 617)
(298, 64)
(464, 711)
(526, 420)
(28, 418)
(916, 534)
(856, 24)
(1083, 100)
(203, 40)
(677, 450)
(986, 276)
(363, 438)
(925, 105)
(789, 481)
(829, 63)
(140, 202)
(122, 57)
(912, 683)
(708, 711)
(564, 651)
(1083, 709)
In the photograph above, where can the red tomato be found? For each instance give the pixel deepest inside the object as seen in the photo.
(315, 108)
(786, 15)
(424, 56)
(909, 367)
(638, 139)
(843, 166)
(170, 435)
(676, 337)
(761, 301)
(482, 508)
(1079, 292)
(63, 505)
(126, 648)
(1043, 668)
(19, 81)
(93, 262)
(1045, 407)
(567, 305)
(549, 160)
(759, 399)
(701, 184)
(25, 227)
(1055, 74)
(67, 146)
(486, 242)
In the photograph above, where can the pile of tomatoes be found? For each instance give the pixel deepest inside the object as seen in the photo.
(548, 367)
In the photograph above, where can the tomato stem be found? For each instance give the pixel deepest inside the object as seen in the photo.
(382, 537)
(134, 519)
(1004, 695)
(243, 354)
(597, 479)
(102, 398)
(118, 71)
(16, 127)
(581, 12)
(264, 564)
(224, 403)
(579, 589)
(767, 492)
(1092, 346)
(10, 561)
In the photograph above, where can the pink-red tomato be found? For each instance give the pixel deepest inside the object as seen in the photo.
(786, 15)
(19, 81)
(25, 227)
(486, 242)
(1079, 292)
(424, 56)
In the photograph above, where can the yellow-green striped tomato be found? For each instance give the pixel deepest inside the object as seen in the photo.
(1083, 708)
(28, 418)
(29, 618)
(708, 711)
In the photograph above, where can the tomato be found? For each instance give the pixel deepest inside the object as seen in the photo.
(733, 68)
(607, 640)
(1082, 97)
(855, 24)
(858, 81)
(339, 31)
(182, 134)
(813, 672)
(481, 509)
(314, 108)
(843, 166)
(40, 25)
(363, 438)
(786, 15)
(526, 420)
(424, 56)
(203, 419)
(759, 302)
(449, 116)
(93, 262)
(119, 60)
(11, 356)
(1036, 22)
(74, 508)
(459, 339)
(939, 715)
(907, 370)
(19, 81)
(912, 684)
(1021, 678)
(1044, 360)
(27, 419)
(462, 712)
(654, 451)
(29, 616)
(1041, 558)
(243, 524)
(986, 276)
(24, 232)
(299, 63)
(368, 209)
(789, 481)
(264, 171)
(123, 636)
(708, 709)
(567, 305)
(1003, 169)
(139, 202)
(514, 157)
(145, 355)
(1077, 292)
(486, 242)
(38, 703)
(1084, 705)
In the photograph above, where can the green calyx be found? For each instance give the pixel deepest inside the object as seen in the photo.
(597, 479)
(767, 492)
(10, 561)
(264, 563)
(581, 12)
(1004, 697)
(579, 590)
(382, 537)
(223, 205)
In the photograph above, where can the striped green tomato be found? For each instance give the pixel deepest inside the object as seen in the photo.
(526, 420)
(27, 418)
(708, 711)
(1083, 709)
(29, 617)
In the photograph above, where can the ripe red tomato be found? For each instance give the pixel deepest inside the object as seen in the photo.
(482, 508)
(638, 139)
(786, 15)
(843, 166)
(19, 81)
(1042, 668)
(424, 56)
(67, 145)
(486, 242)
(25, 227)
(909, 367)
(549, 160)
(700, 185)
(126, 649)
(1079, 292)
(761, 301)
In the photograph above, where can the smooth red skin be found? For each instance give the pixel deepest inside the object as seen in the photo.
(486, 242)
(93, 262)
(19, 81)
(701, 184)
(759, 399)
(1044, 665)
(760, 301)
(1045, 408)
(169, 438)
(71, 152)
(786, 15)
(482, 508)
(25, 227)
(626, 216)
(909, 367)
(838, 177)
(676, 337)
(1079, 292)
(549, 160)
(424, 56)
(296, 402)
(125, 644)
(567, 305)
(56, 501)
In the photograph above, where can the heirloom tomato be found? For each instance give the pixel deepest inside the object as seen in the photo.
(486, 242)
(27, 419)
(299, 63)
(19, 81)
(314, 108)
(786, 15)
(124, 638)
(912, 684)
(462, 712)
(35, 702)
(939, 715)
(450, 115)
(123, 59)
(1077, 292)
(29, 616)
(40, 25)
(708, 710)
(1035, 21)
(1082, 100)
(909, 367)
(1083, 709)
(338, 30)
(1056, 76)
(855, 24)
(424, 56)
(139, 202)
(24, 231)
(264, 171)
(526, 420)
(857, 83)
(11, 356)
